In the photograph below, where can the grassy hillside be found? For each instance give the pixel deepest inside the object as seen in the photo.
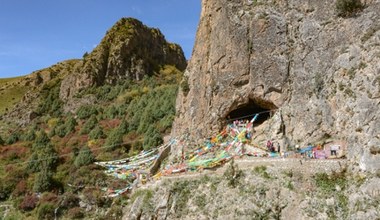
(54, 156)
(11, 91)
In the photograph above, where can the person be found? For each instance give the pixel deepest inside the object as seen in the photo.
(278, 148)
(297, 147)
(270, 146)
(334, 150)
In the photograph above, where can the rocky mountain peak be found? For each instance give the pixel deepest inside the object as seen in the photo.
(130, 50)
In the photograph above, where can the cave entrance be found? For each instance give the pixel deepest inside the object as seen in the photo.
(249, 110)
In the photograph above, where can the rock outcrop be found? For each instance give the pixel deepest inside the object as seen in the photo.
(130, 50)
(23, 112)
(273, 190)
(317, 72)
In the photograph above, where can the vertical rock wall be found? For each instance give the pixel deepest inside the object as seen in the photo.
(320, 71)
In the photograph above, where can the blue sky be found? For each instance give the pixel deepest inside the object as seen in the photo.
(35, 34)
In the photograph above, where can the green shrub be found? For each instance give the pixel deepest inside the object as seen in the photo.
(123, 127)
(200, 201)
(41, 139)
(50, 102)
(44, 181)
(87, 175)
(6, 189)
(347, 8)
(152, 138)
(70, 124)
(114, 140)
(112, 112)
(46, 211)
(9, 183)
(185, 85)
(64, 128)
(86, 111)
(262, 170)
(84, 157)
(30, 135)
(60, 131)
(97, 133)
(233, 174)
(89, 125)
(43, 154)
(151, 108)
(13, 138)
(328, 183)
(166, 123)
(2, 142)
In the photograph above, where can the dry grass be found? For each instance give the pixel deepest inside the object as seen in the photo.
(11, 91)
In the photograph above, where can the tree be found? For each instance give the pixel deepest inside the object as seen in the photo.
(30, 135)
(44, 181)
(86, 111)
(41, 140)
(89, 125)
(43, 155)
(46, 211)
(152, 138)
(123, 127)
(185, 85)
(85, 55)
(60, 131)
(96, 133)
(1, 141)
(70, 124)
(84, 157)
(114, 139)
(112, 112)
(50, 101)
(13, 138)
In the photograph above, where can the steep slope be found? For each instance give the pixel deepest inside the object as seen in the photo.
(317, 73)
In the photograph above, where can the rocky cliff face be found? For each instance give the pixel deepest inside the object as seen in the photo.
(318, 73)
(130, 50)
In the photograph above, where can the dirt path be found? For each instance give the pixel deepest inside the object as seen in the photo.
(306, 166)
